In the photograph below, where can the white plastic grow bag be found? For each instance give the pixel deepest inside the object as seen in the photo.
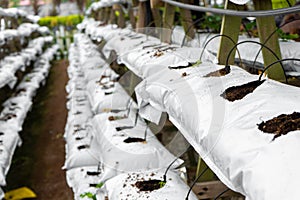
(81, 182)
(224, 133)
(144, 62)
(82, 153)
(124, 157)
(123, 186)
(240, 2)
(105, 100)
(10, 139)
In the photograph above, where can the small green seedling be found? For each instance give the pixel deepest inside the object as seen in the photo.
(162, 184)
(89, 195)
(99, 185)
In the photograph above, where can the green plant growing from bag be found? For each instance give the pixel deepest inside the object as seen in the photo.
(91, 195)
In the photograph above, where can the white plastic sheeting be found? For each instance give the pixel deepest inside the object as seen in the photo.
(129, 47)
(15, 12)
(224, 133)
(123, 186)
(12, 63)
(248, 50)
(85, 180)
(81, 147)
(136, 156)
(92, 141)
(240, 2)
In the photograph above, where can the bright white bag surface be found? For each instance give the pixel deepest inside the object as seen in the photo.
(225, 133)
(123, 186)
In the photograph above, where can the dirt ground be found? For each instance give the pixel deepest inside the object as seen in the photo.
(37, 163)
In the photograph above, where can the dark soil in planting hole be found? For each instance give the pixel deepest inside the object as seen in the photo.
(182, 67)
(220, 72)
(149, 185)
(239, 92)
(134, 139)
(281, 125)
(113, 118)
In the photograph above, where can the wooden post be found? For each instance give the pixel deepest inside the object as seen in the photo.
(132, 18)
(209, 190)
(101, 14)
(155, 5)
(132, 14)
(112, 18)
(97, 15)
(121, 15)
(168, 21)
(231, 28)
(107, 14)
(266, 25)
(187, 21)
(141, 22)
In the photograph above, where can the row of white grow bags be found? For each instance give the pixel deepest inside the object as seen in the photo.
(16, 108)
(16, 13)
(22, 32)
(224, 133)
(19, 61)
(129, 44)
(96, 153)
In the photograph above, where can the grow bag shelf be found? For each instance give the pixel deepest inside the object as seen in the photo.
(130, 51)
(224, 133)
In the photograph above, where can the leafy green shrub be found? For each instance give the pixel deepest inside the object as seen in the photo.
(286, 36)
(53, 21)
(212, 22)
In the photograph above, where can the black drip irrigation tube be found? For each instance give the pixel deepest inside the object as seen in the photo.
(263, 45)
(219, 195)
(278, 61)
(165, 174)
(195, 181)
(219, 35)
(269, 37)
(189, 28)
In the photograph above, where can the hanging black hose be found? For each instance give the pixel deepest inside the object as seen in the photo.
(269, 37)
(246, 29)
(165, 174)
(195, 181)
(219, 35)
(221, 193)
(288, 2)
(255, 42)
(195, 22)
(278, 61)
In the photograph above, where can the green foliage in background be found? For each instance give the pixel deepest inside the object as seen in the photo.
(286, 36)
(213, 22)
(15, 3)
(53, 21)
